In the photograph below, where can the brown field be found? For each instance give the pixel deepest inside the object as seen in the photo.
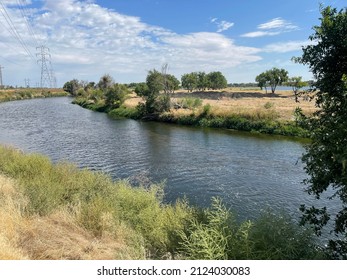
(242, 101)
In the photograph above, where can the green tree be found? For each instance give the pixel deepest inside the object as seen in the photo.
(172, 83)
(189, 81)
(216, 80)
(274, 77)
(296, 83)
(202, 81)
(72, 86)
(115, 96)
(141, 89)
(89, 86)
(326, 157)
(262, 81)
(155, 93)
(106, 81)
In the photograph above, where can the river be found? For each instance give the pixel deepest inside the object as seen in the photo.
(249, 172)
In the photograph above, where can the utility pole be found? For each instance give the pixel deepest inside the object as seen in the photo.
(1, 84)
(46, 79)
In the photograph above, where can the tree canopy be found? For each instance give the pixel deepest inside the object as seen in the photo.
(72, 86)
(326, 157)
(115, 95)
(273, 78)
(296, 83)
(200, 81)
(156, 91)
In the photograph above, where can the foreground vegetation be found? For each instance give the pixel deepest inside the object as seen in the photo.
(29, 93)
(60, 212)
(325, 158)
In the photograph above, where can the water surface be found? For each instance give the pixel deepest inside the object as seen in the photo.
(249, 172)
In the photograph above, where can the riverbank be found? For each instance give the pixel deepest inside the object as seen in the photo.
(29, 93)
(251, 110)
(57, 211)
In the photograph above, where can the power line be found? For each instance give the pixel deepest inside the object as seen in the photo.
(13, 30)
(23, 10)
(11, 61)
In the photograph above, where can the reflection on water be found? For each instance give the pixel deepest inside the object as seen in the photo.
(249, 172)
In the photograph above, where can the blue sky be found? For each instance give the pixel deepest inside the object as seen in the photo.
(126, 38)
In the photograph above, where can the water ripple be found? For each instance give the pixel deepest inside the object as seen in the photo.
(249, 173)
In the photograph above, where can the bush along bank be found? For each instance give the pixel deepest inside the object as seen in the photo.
(29, 93)
(205, 117)
(237, 122)
(57, 211)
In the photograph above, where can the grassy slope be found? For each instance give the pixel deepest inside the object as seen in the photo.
(60, 212)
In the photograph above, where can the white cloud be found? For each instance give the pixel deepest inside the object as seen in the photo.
(87, 40)
(273, 27)
(284, 47)
(15, 2)
(277, 23)
(259, 34)
(222, 25)
(211, 50)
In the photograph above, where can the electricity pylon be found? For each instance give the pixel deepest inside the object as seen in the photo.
(46, 79)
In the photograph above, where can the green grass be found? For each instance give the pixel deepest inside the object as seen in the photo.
(238, 122)
(92, 196)
(29, 93)
(151, 229)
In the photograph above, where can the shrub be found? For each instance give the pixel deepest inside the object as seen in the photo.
(268, 105)
(216, 235)
(279, 237)
(190, 102)
(209, 239)
(125, 112)
(206, 110)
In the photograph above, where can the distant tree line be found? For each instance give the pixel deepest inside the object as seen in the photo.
(201, 81)
(243, 85)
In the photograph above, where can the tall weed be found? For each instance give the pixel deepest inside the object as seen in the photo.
(92, 206)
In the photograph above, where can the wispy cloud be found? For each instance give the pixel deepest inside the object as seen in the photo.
(222, 25)
(260, 34)
(277, 23)
(273, 27)
(283, 47)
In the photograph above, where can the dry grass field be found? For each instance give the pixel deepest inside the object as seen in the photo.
(241, 101)
(56, 236)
